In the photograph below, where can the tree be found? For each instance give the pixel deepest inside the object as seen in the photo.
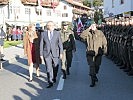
(98, 16)
(97, 3)
(87, 3)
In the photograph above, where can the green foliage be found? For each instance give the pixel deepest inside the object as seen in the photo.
(97, 3)
(98, 17)
(87, 3)
(11, 43)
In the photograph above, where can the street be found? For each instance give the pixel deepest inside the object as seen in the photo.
(113, 84)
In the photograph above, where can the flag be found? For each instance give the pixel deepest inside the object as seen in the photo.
(79, 26)
(53, 6)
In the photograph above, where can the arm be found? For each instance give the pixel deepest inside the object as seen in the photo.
(41, 44)
(60, 46)
(104, 43)
(25, 43)
(85, 34)
(72, 41)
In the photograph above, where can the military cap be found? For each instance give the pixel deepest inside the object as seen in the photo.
(65, 23)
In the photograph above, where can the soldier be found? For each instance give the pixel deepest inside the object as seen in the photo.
(68, 46)
(96, 46)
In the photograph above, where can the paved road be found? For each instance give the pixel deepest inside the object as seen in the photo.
(113, 83)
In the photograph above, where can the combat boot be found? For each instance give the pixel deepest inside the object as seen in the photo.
(64, 73)
(130, 73)
(92, 81)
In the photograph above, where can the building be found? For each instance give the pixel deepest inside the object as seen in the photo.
(118, 8)
(22, 12)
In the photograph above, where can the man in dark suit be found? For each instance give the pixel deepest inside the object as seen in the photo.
(51, 50)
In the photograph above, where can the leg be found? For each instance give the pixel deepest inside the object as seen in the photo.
(55, 71)
(64, 65)
(31, 71)
(37, 70)
(55, 65)
(69, 61)
(49, 68)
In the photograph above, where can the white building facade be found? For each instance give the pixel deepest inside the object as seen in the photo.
(17, 14)
(116, 7)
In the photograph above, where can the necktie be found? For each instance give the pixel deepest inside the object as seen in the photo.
(51, 36)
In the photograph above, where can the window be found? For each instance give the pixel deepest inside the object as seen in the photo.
(17, 10)
(48, 13)
(1, 11)
(11, 10)
(112, 3)
(65, 7)
(64, 14)
(121, 1)
(27, 10)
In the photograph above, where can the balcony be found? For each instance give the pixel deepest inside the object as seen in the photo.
(3, 2)
(47, 3)
(29, 2)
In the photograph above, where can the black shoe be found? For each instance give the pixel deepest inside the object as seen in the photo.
(130, 73)
(93, 81)
(64, 74)
(30, 80)
(54, 80)
(96, 79)
(122, 67)
(2, 60)
(64, 77)
(50, 85)
(92, 85)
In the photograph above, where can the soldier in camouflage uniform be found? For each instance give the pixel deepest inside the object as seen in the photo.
(68, 40)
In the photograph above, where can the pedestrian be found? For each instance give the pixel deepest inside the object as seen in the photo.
(14, 33)
(2, 37)
(96, 46)
(51, 49)
(31, 49)
(68, 41)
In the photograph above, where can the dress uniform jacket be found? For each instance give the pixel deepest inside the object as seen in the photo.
(96, 43)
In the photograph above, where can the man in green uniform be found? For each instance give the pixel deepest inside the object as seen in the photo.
(68, 40)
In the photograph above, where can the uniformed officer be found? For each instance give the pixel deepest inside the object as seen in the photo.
(68, 46)
(96, 45)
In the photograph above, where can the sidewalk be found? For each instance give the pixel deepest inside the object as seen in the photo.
(12, 54)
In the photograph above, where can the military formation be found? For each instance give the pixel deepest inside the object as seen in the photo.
(119, 34)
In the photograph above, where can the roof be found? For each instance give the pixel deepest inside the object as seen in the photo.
(47, 3)
(77, 4)
(4, 2)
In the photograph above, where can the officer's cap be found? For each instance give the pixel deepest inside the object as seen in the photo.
(65, 23)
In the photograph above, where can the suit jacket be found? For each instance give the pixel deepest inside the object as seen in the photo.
(55, 46)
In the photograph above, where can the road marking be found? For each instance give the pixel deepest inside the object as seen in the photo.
(56, 99)
(61, 83)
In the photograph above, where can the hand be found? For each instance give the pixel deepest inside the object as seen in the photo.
(61, 56)
(74, 50)
(41, 58)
